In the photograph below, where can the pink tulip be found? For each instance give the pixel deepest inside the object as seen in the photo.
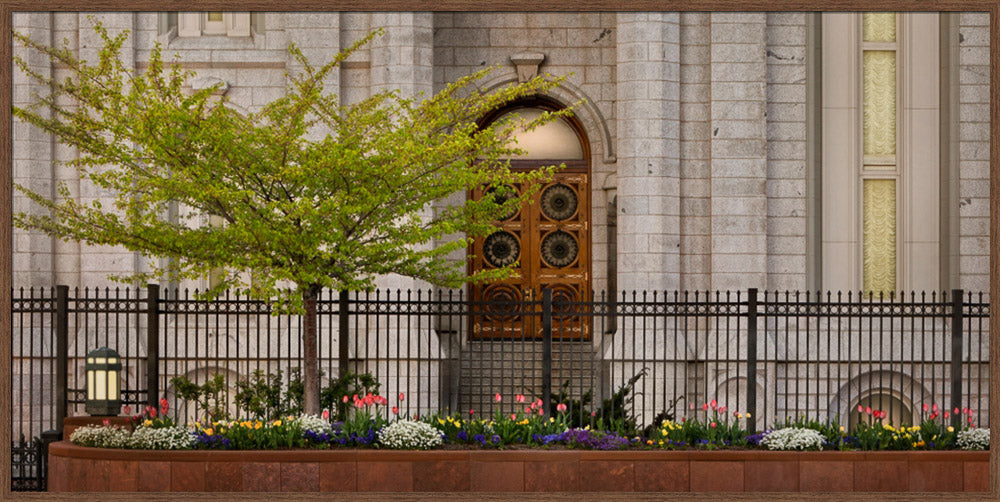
(472, 412)
(402, 396)
(691, 406)
(561, 407)
(934, 407)
(712, 425)
(345, 399)
(868, 410)
(956, 410)
(713, 404)
(519, 398)
(861, 409)
(395, 410)
(513, 416)
(722, 409)
(541, 411)
(926, 407)
(704, 407)
(498, 397)
(946, 414)
(326, 414)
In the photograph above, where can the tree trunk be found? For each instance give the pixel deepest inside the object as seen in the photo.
(310, 398)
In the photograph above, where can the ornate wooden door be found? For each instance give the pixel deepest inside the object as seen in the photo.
(549, 238)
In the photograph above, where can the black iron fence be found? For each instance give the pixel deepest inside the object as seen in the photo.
(773, 354)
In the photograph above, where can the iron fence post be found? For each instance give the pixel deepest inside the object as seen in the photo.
(752, 359)
(956, 355)
(342, 328)
(153, 345)
(547, 349)
(62, 355)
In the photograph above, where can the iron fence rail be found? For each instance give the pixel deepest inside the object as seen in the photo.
(775, 354)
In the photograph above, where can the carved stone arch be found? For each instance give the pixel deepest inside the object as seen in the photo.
(594, 124)
(910, 392)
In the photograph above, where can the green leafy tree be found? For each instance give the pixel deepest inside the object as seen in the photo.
(301, 211)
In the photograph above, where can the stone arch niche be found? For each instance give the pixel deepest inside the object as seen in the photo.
(548, 239)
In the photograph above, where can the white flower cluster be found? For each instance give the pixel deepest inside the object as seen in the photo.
(163, 438)
(974, 439)
(408, 434)
(793, 438)
(314, 423)
(100, 436)
(143, 438)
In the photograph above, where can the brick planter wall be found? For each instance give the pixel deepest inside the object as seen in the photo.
(75, 468)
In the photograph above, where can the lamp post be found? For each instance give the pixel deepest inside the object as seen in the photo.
(103, 382)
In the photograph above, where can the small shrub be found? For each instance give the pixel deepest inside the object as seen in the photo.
(207, 397)
(164, 438)
(794, 438)
(408, 434)
(974, 439)
(100, 436)
(314, 424)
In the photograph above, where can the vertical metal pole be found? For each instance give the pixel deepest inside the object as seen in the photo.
(62, 355)
(342, 330)
(752, 359)
(153, 345)
(956, 355)
(547, 349)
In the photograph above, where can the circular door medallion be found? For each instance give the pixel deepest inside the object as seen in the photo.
(501, 302)
(499, 197)
(501, 249)
(558, 202)
(559, 249)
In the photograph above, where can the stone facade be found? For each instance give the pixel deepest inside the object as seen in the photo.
(698, 129)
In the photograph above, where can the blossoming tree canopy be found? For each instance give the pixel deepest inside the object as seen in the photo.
(309, 192)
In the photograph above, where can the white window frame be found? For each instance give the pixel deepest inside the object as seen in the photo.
(196, 24)
(917, 160)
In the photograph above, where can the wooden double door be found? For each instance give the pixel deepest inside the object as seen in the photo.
(549, 239)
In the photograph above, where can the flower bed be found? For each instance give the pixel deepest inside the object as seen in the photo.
(77, 468)
(709, 452)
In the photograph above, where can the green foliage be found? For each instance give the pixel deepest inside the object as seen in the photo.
(265, 397)
(311, 192)
(615, 413)
(347, 386)
(208, 397)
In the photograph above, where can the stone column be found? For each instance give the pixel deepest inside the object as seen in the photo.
(739, 157)
(402, 59)
(648, 74)
(98, 262)
(33, 252)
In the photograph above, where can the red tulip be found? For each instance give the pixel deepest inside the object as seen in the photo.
(704, 407)
(395, 410)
